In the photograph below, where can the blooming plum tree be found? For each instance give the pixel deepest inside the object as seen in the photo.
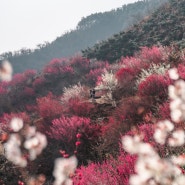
(66, 129)
(49, 107)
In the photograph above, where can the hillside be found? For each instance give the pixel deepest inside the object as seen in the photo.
(165, 26)
(90, 30)
(55, 104)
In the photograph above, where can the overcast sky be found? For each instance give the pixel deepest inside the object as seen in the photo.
(27, 23)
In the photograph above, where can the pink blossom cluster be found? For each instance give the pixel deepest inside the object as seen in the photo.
(22, 78)
(153, 54)
(58, 66)
(3, 90)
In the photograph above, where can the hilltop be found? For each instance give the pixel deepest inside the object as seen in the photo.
(165, 26)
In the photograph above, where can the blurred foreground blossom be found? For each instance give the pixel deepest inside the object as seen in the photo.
(150, 168)
(173, 74)
(38, 180)
(13, 152)
(134, 145)
(179, 160)
(162, 131)
(16, 124)
(35, 144)
(26, 137)
(177, 138)
(5, 71)
(64, 169)
(177, 104)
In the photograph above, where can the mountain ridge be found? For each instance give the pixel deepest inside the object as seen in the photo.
(90, 30)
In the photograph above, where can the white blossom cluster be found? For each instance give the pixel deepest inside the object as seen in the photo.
(35, 143)
(108, 81)
(13, 151)
(159, 69)
(64, 169)
(23, 137)
(165, 133)
(16, 124)
(72, 92)
(6, 71)
(162, 131)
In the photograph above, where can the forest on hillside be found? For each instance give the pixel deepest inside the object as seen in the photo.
(90, 30)
(164, 27)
